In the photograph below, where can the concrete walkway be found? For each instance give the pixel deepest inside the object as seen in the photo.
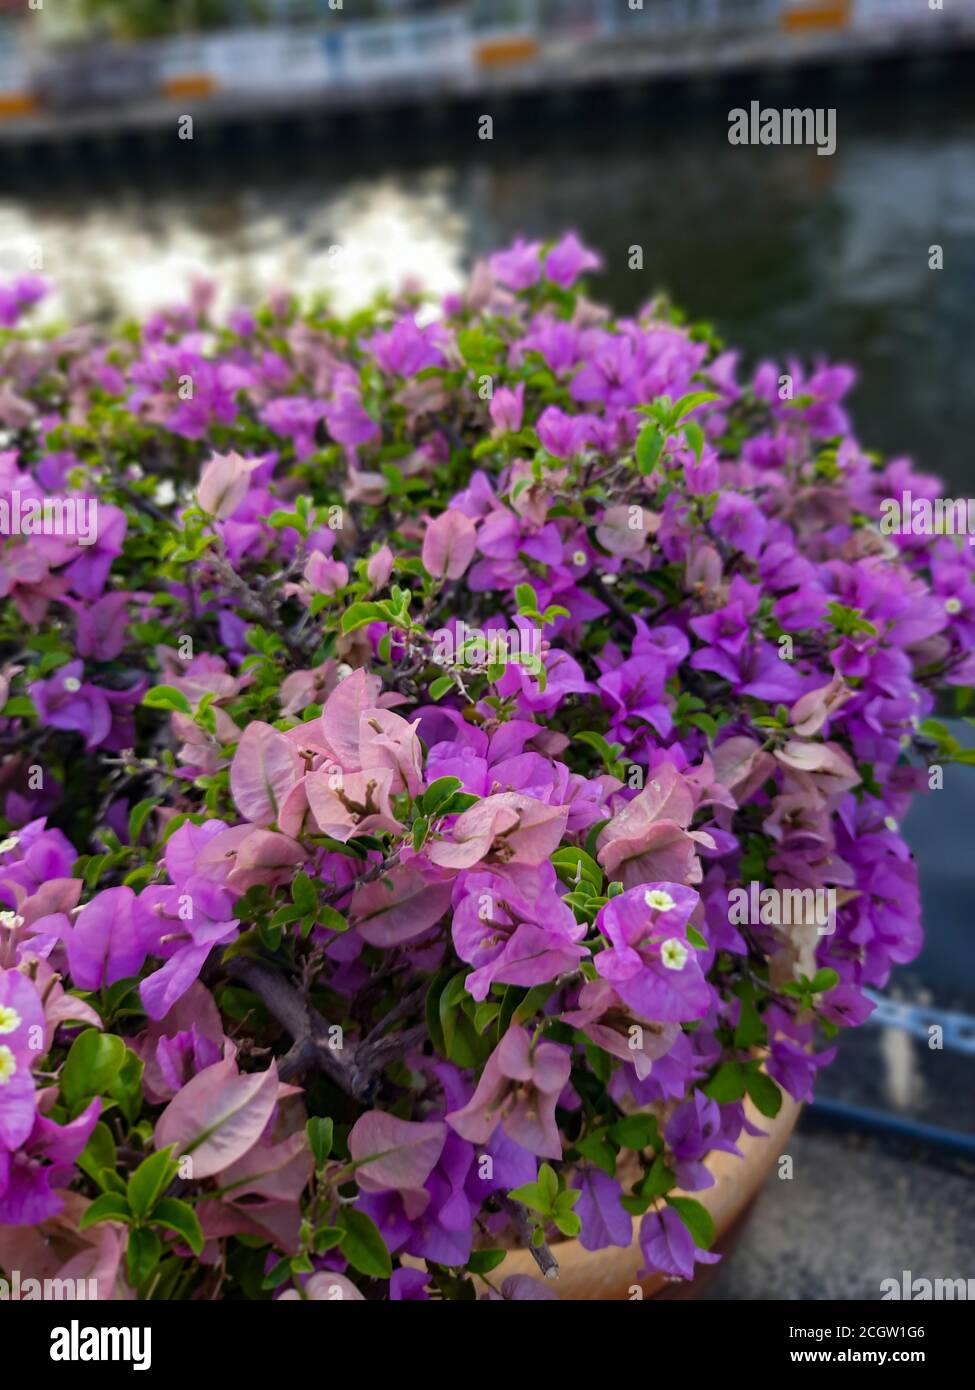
(852, 1215)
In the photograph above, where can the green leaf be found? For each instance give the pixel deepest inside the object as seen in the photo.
(727, 1084)
(658, 1181)
(649, 444)
(438, 793)
(303, 893)
(572, 865)
(139, 815)
(91, 1066)
(99, 1156)
(277, 1274)
(696, 1218)
(634, 1131)
(143, 1253)
(599, 1150)
(526, 599)
(750, 1030)
(824, 980)
(548, 1183)
(691, 401)
(110, 1206)
(440, 686)
(360, 615)
(331, 918)
(320, 1130)
(569, 1223)
(695, 438)
(150, 1180)
(326, 1238)
(530, 1195)
(764, 1093)
(19, 707)
(362, 1245)
(483, 1261)
(460, 801)
(126, 1086)
(167, 697)
(485, 1013)
(593, 836)
(179, 1217)
(533, 1002)
(704, 722)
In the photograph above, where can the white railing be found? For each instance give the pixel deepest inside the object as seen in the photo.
(915, 12)
(265, 60)
(346, 53)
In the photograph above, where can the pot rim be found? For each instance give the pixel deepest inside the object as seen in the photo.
(611, 1273)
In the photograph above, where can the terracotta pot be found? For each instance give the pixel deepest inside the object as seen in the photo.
(612, 1273)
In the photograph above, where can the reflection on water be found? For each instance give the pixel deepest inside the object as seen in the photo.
(133, 256)
(782, 250)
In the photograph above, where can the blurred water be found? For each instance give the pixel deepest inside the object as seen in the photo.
(783, 250)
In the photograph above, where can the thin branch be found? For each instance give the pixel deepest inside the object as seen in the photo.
(541, 1254)
(355, 1069)
(370, 876)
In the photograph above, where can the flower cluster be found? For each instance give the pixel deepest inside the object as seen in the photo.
(380, 764)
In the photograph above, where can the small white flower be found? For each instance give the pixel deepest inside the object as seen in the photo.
(579, 558)
(343, 670)
(673, 954)
(10, 1019)
(891, 823)
(11, 920)
(11, 842)
(658, 900)
(952, 605)
(8, 1064)
(72, 684)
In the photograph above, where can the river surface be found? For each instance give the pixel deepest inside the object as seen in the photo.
(784, 251)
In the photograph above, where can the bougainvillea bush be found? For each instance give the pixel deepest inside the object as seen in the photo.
(400, 728)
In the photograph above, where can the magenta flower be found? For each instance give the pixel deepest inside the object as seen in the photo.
(296, 417)
(519, 1087)
(608, 1022)
(568, 259)
(345, 417)
(448, 545)
(21, 294)
(519, 267)
(507, 408)
(668, 1247)
(604, 1220)
(224, 484)
(107, 941)
(43, 1163)
(649, 838)
(407, 349)
(650, 963)
(512, 939)
(563, 435)
(738, 521)
(22, 1043)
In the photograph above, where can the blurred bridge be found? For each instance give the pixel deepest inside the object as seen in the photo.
(74, 86)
